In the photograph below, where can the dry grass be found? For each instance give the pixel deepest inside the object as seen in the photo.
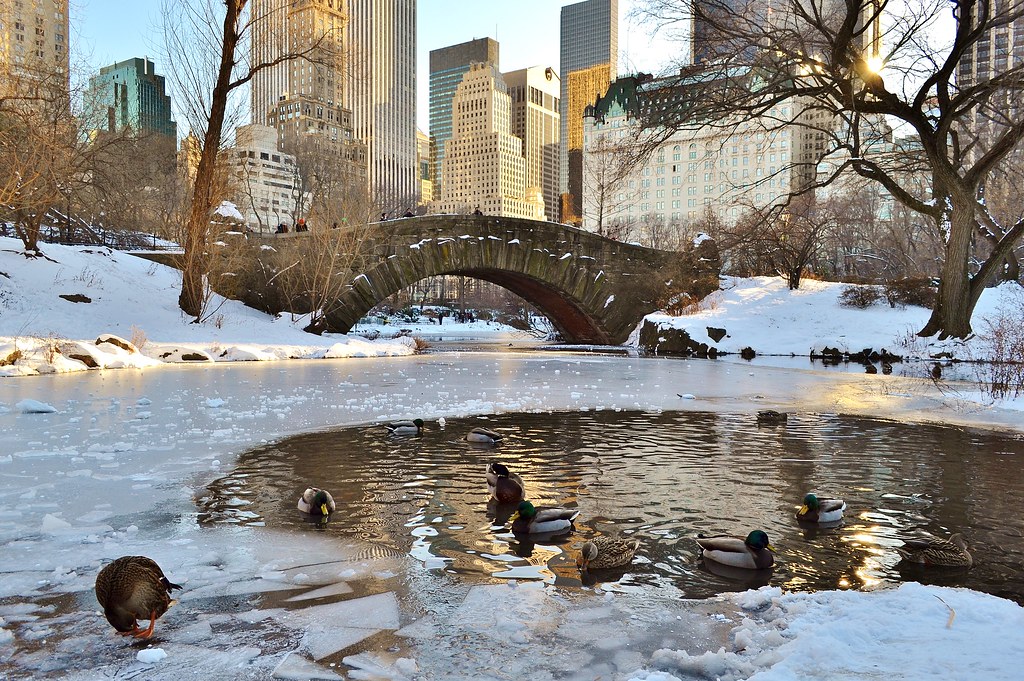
(138, 337)
(685, 304)
(11, 358)
(421, 345)
(1001, 370)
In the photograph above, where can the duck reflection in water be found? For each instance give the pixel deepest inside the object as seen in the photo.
(523, 545)
(499, 513)
(748, 579)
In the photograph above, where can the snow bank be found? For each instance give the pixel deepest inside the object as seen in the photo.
(120, 311)
(910, 632)
(762, 313)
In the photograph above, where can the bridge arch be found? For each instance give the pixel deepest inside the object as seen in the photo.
(593, 289)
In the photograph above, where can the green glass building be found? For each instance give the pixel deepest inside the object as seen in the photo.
(129, 96)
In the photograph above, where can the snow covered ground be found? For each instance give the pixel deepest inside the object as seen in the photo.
(136, 300)
(762, 313)
(100, 464)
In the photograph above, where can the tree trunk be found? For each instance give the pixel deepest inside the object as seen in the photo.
(194, 263)
(1011, 268)
(951, 316)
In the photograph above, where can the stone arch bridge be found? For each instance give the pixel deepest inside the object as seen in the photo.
(593, 289)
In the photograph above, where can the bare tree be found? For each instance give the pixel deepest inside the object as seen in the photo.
(608, 185)
(132, 181)
(39, 151)
(192, 36)
(838, 64)
(785, 242)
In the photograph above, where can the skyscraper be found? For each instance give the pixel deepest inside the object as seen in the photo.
(297, 89)
(269, 42)
(1000, 49)
(589, 39)
(380, 89)
(447, 67)
(34, 44)
(535, 95)
(485, 168)
(303, 98)
(710, 34)
(732, 31)
(129, 97)
(423, 163)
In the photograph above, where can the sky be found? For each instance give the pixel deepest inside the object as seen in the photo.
(108, 31)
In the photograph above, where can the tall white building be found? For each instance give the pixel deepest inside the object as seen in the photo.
(34, 43)
(719, 168)
(447, 67)
(535, 93)
(484, 167)
(380, 90)
(269, 42)
(262, 179)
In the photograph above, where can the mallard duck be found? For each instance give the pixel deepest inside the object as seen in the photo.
(483, 435)
(133, 588)
(606, 552)
(950, 552)
(414, 427)
(504, 486)
(771, 417)
(316, 501)
(753, 553)
(821, 510)
(530, 520)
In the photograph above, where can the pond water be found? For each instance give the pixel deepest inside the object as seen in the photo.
(661, 478)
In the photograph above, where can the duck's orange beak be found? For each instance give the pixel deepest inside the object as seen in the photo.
(803, 510)
(323, 509)
(514, 517)
(770, 548)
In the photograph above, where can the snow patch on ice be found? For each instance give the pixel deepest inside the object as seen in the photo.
(29, 406)
(150, 655)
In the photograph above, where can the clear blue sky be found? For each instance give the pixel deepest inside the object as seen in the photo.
(108, 31)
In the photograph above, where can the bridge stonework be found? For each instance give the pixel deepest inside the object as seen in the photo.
(593, 289)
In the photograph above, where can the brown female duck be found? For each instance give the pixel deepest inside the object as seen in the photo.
(133, 588)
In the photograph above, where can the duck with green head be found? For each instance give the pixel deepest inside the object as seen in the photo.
(531, 520)
(821, 510)
(752, 553)
(316, 501)
(413, 427)
(483, 436)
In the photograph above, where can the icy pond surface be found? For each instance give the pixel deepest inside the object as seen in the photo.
(128, 462)
(661, 478)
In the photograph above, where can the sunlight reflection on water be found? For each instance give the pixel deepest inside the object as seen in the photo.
(661, 478)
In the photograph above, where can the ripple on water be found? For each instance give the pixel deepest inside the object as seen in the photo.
(661, 478)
